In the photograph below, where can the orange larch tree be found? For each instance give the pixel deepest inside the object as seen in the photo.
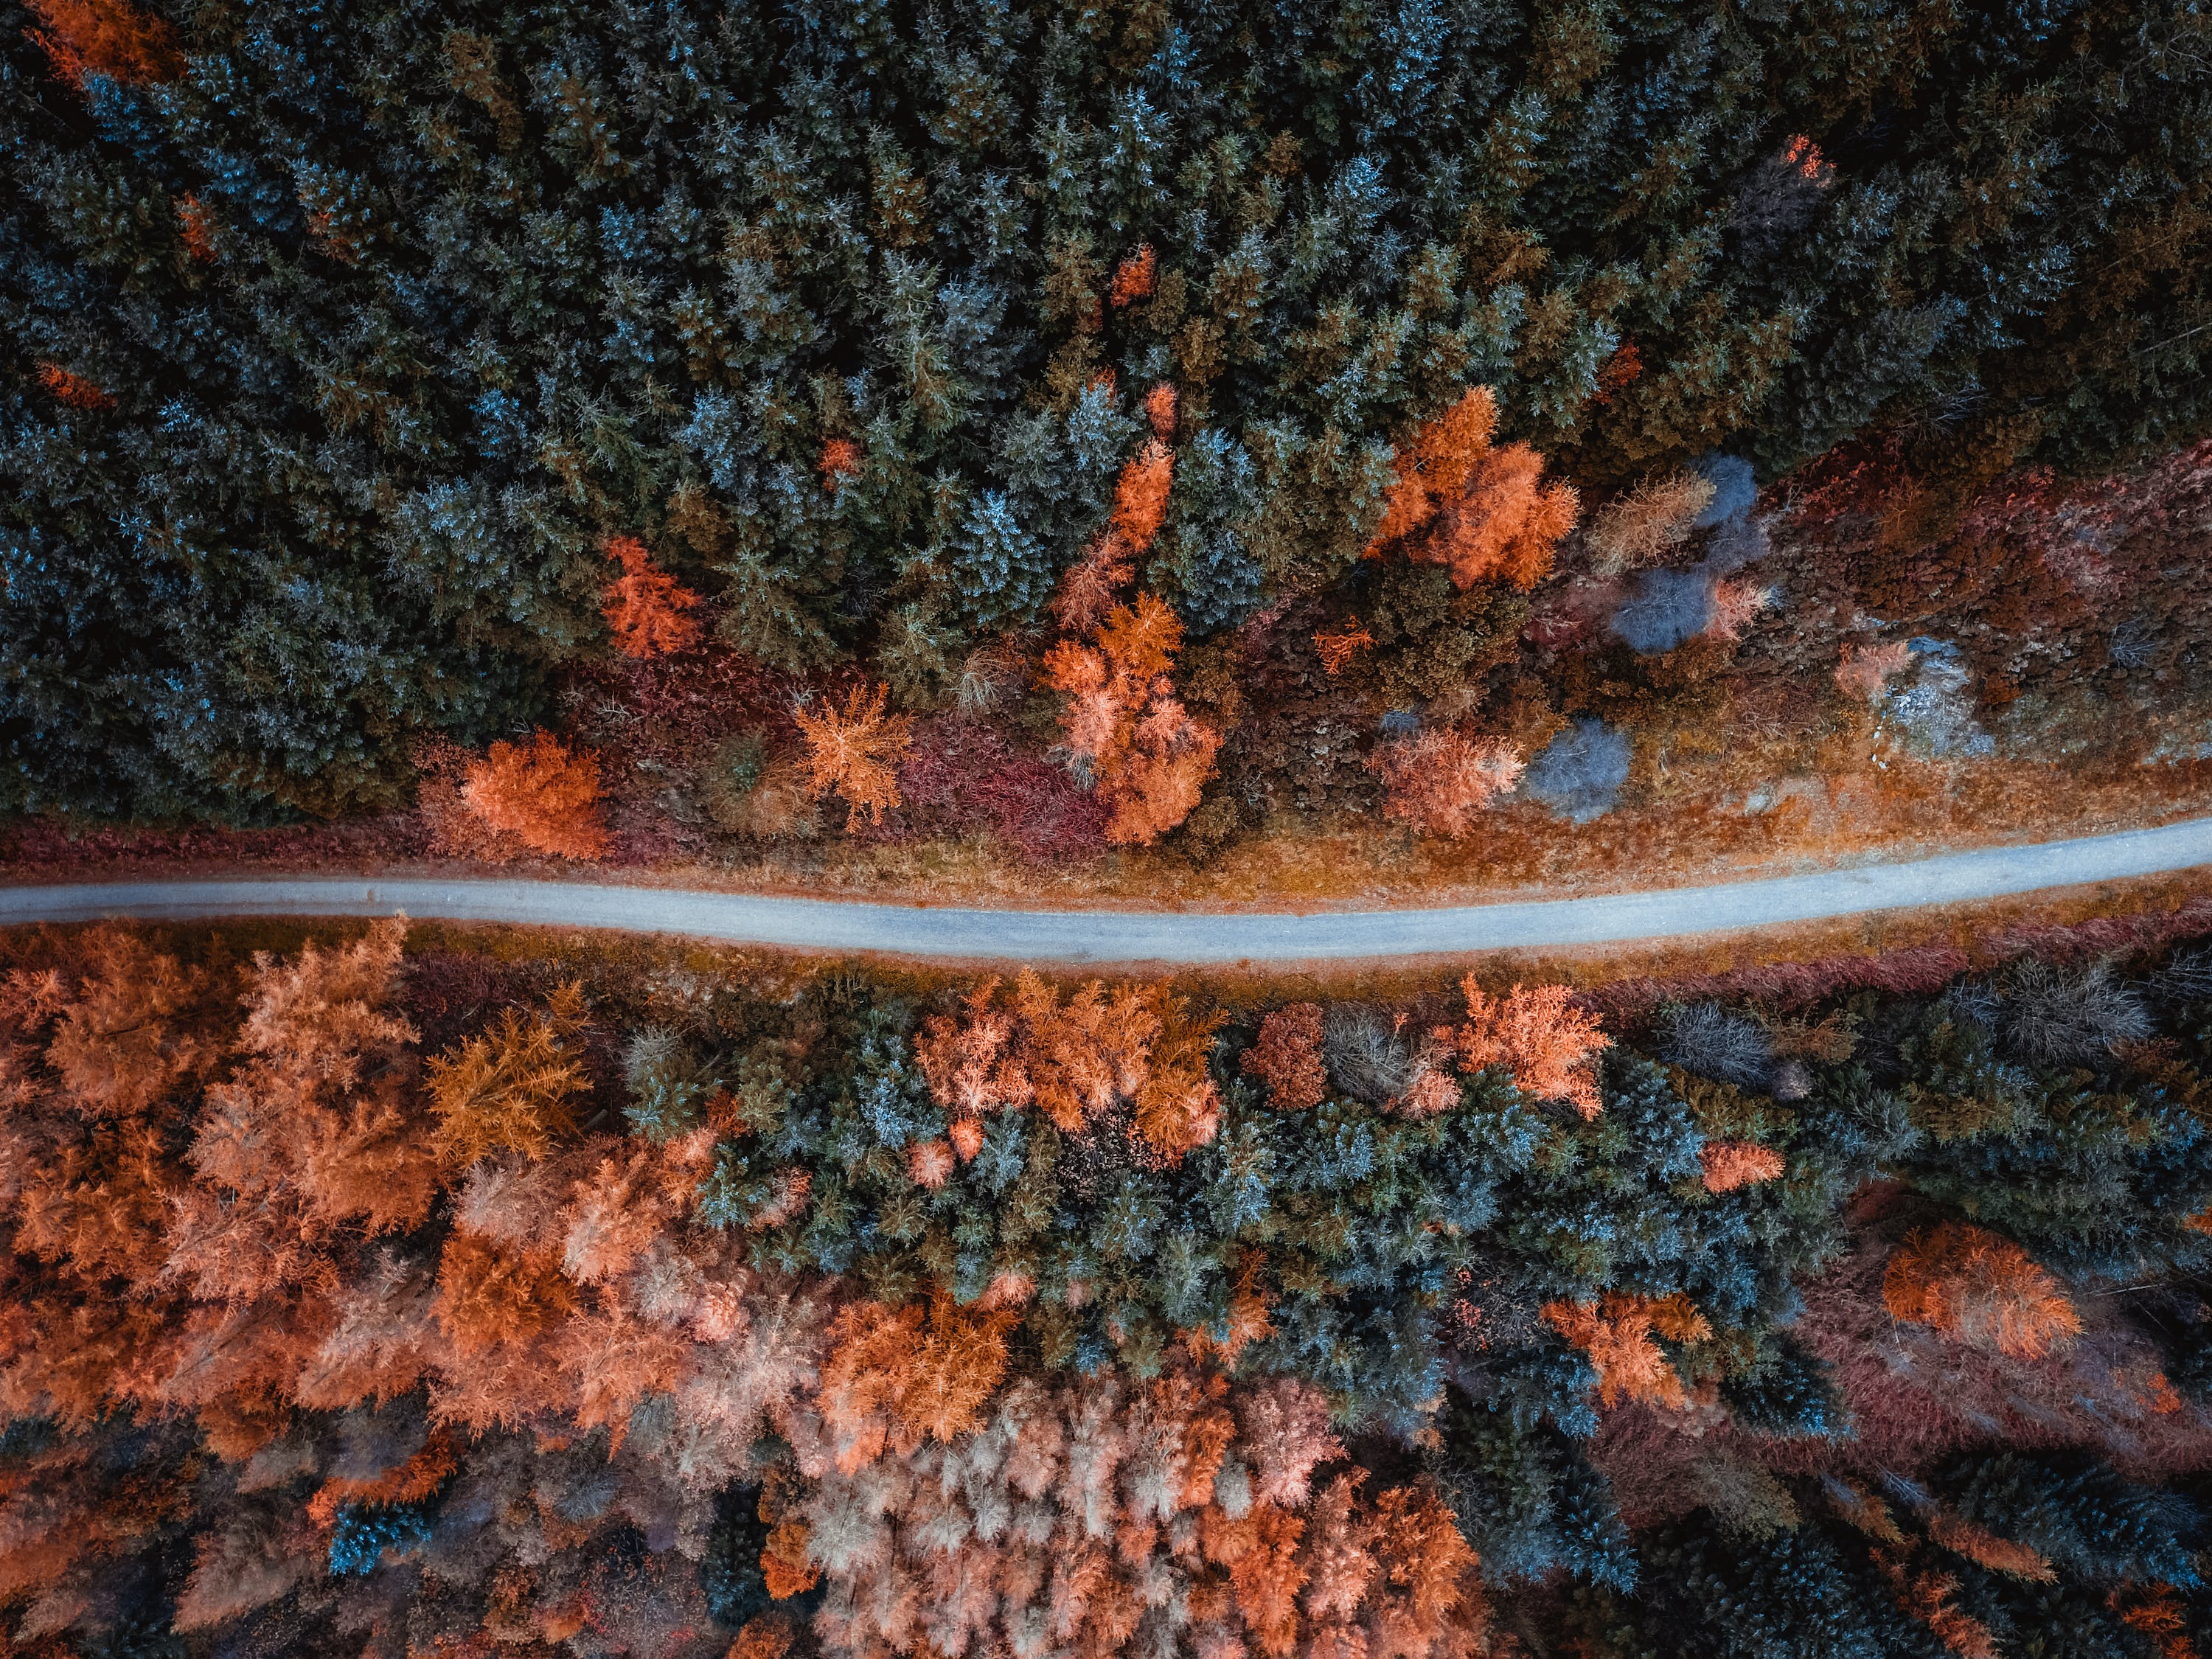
(1482, 511)
(839, 459)
(1287, 1057)
(1729, 1164)
(74, 390)
(647, 609)
(1148, 756)
(1134, 278)
(541, 793)
(1141, 1047)
(855, 753)
(1535, 1033)
(1616, 1332)
(112, 37)
(195, 225)
(1438, 781)
(1979, 1288)
(507, 1088)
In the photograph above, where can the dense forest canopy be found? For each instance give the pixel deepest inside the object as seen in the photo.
(454, 1300)
(344, 340)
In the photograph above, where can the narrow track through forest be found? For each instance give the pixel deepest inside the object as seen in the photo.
(1100, 935)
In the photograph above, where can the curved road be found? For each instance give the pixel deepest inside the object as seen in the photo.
(1150, 936)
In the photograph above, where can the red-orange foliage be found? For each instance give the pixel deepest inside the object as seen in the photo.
(1140, 1046)
(856, 753)
(1160, 409)
(1622, 369)
(1616, 1332)
(196, 227)
(1339, 648)
(1801, 155)
(840, 460)
(112, 37)
(540, 793)
(1287, 1057)
(1729, 1164)
(768, 1637)
(507, 1088)
(1980, 1288)
(1484, 511)
(1134, 278)
(2157, 1613)
(1438, 780)
(1250, 1318)
(73, 389)
(1084, 597)
(1535, 1032)
(897, 1376)
(1187, 1487)
(312, 1134)
(1149, 756)
(1865, 670)
(1985, 1549)
(1141, 495)
(647, 609)
(1926, 1596)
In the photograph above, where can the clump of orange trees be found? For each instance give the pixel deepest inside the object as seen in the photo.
(1122, 720)
(1139, 1048)
(1438, 781)
(667, 1315)
(1479, 510)
(1980, 1288)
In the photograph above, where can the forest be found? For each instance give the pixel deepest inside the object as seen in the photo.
(463, 1294)
(771, 435)
(1265, 455)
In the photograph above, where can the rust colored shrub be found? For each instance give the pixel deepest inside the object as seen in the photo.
(1926, 1596)
(1438, 780)
(1141, 495)
(73, 389)
(112, 37)
(491, 1294)
(1145, 756)
(840, 460)
(1729, 1164)
(1535, 1034)
(1085, 596)
(1616, 1332)
(897, 1376)
(195, 225)
(1134, 278)
(1732, 605)
(1148, 756)
(1287, 1057)
(1622, 369)
(542, 793)
(1505, 526)
(855, 753)
(1160, 410)
(1483, 512)
(1865, 671)
(1985, 1549)
(646, 610)
(1338, 649)
(1979, 1288)
(1647, 523)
